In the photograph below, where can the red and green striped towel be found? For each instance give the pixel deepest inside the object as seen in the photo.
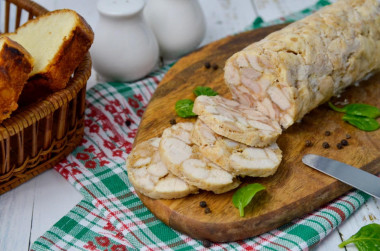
(112, 217)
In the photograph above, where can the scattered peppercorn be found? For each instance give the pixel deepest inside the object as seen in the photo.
(325, 145)
(128, 122)
(344, 142)
(215, 66)
(207, 210)
(203, 204)
(327, 133)
(348, 136)
(339, 146)
(207, 65)
(308, 143)
(161, 63)
(173, 122)
(206, 243)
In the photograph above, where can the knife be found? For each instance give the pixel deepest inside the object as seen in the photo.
(350, 175)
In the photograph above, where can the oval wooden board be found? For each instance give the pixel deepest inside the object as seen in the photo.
(295, 189)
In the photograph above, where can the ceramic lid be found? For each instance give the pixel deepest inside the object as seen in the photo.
(120, 8)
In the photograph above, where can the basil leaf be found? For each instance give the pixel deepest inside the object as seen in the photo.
(244, 195)
(204, 90)
(184, 108)
(367, 238)
(363, 123)
(358, 110)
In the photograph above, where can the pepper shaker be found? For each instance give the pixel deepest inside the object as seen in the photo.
(179, 25)
(125, 48)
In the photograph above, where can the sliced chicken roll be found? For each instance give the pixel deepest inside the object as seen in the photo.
(237, 122)
(293, 70)
(235, 157)
(150, 176)
(183, 159)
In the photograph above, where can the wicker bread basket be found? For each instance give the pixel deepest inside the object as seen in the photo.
(39, 135)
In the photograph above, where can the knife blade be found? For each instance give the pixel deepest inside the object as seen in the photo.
(350, 175)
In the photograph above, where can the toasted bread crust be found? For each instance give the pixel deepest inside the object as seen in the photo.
(69, 56)
(15, 65)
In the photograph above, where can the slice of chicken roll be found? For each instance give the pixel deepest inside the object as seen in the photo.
(150, 176)
(236, 121)
(235, 157)
(183, 158)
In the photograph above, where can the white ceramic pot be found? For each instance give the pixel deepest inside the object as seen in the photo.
(125, 48)
(179, 25)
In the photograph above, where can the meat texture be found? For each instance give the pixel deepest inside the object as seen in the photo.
(234, 157)
(295, 69)
(150, 176)
(236, 121)
(184, 159)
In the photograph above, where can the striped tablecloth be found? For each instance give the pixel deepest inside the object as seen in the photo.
(112, 217)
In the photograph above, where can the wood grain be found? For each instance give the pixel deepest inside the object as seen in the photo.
(16, 200)
(295, 189)
(45, 212)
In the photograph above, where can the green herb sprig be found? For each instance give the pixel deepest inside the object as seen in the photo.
(362, 116)
(363, 110)
(184, 107)
(204, 90)
(366, 239)
(243, 196)
(363, 123)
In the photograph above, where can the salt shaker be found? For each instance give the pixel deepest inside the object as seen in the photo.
(125, 48)
(179, 25)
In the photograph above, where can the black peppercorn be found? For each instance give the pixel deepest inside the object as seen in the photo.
(339, 146)
(327, 133)
(173, 122)
(203, 204)
(207, 65)
(206, 243)
(308, 143)
(128, 122)
(348, 136)
(325, 145)
(344, 142)
(215, 66)
(207, 210)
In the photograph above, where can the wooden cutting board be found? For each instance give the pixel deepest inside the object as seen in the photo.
(295, 189)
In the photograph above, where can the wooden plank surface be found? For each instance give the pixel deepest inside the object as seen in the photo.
(16, 213)
(223, 17)
(295, 189)
(48, 209)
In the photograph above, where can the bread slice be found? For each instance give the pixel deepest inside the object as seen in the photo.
(57, 41)
(15, 65)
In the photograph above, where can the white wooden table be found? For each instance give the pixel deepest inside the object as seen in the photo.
(29, 210)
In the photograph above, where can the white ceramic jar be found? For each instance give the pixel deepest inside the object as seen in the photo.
(125, 48)
(179, 25)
